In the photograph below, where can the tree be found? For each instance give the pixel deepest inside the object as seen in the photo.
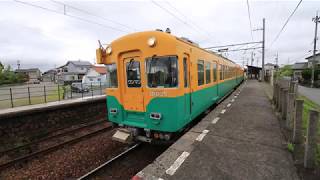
(306, 74)
(286, 71)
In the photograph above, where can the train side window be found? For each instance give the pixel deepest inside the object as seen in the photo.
(208, 75)
(200, 72)
(214, 72)
(221, 72)
(111, 76)
(185, 72)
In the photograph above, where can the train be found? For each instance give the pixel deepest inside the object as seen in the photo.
(157, 83)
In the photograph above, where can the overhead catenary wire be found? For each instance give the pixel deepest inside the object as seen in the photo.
(94, 15)
(175, 16)
(249, 15)
(75, 17)
(238, 44)
(191, 22)
(285, 24)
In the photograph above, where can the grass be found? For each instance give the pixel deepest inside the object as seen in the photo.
(50, 97)
(307, 106)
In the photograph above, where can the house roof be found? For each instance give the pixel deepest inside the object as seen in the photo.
(318, 54)
(27, 70)
(270, 64)
(100, 69)
(80, 63)
(300, 65)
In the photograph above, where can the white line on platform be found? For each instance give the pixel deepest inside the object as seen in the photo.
(174, 167)
(202, 135)
(229, 105)
(215, 120)
(232, 100)
(223, 111)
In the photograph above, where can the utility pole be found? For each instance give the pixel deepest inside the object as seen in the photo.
(263, 46)
(252, 59)
(18, 64)
(316, 20)
(277, 59)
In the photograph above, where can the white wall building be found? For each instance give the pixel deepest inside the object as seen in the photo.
(95, 76)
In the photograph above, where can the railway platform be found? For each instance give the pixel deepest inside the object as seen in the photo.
(240, 139)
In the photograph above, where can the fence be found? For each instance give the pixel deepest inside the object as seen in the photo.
(47, 92)
(291, 109)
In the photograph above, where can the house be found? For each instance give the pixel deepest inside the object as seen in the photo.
(311, 59)
(268, 68)
(33, 74)
(50, 75)
(298, 68)
(95, 76)
(73, 71)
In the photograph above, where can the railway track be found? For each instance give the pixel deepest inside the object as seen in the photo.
(58, 143)
(94, 172)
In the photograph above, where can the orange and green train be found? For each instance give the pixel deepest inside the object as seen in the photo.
(158, 83)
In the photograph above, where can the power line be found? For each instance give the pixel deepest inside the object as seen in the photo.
(192, 23)
(240, 49)
(256, 42)
(173, 15)
(75, 17)
(91, 14)
(249, 14)
(278, 35)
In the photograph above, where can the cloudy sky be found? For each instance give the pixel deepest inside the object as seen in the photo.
(40, 35)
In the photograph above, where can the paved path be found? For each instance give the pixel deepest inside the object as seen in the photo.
(312, 93)
(244, 143)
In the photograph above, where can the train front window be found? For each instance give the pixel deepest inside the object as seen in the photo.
(111, 76)
(162, 72)
(133, 74)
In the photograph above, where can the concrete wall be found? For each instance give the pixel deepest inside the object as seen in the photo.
(23, 124)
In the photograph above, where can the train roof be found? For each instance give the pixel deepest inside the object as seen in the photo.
(171, 37)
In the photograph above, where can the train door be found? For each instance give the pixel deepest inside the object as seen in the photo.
(187, 87)
(133, 89)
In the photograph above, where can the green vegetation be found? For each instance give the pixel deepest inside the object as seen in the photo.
(290, 147)
(285, 71)
(7, 76)
(307, 106)
(51, 96)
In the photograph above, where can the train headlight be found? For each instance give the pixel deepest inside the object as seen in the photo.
(109, 50)
(113, 111)
(156, 116)
(152, 41)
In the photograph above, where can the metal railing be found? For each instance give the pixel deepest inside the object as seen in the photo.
(29, 94)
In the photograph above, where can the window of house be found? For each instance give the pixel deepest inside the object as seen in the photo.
(185, 72)
(200, 72)
(162, 72)
(111, 76)
(133, 73)
(214, 67)
(90, 79)
(208, 75)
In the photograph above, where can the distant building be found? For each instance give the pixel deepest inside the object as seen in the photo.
(317, 60)
(33, 74)
(95, 76)
(269, 67)
(50, 75)
(298, 68)
(73, 71)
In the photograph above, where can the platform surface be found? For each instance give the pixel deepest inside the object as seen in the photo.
(240, 139)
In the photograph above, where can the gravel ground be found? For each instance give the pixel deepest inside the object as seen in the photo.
(129, 165)
(51, 142)
(69, 162)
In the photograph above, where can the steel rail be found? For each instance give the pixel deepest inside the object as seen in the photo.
(92, 172)
(82, 126)
(53, 148)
